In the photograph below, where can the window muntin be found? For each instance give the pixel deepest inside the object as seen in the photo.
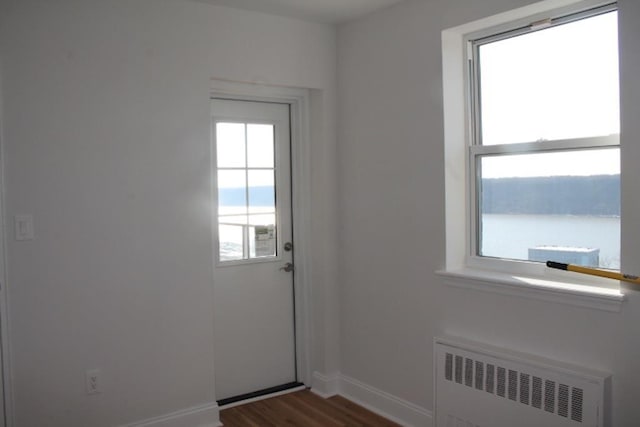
(246, 191)
(545, 151)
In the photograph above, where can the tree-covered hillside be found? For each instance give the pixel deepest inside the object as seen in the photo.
(561, 195)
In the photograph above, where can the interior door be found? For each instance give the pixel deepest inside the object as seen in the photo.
(253, 271)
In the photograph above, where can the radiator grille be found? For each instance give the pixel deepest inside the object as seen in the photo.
(468, 372)
(524, 388)
(577, 398)
(489, 383)
(513, 385)
(459, 369)
(563, 400)
(549, 395)
(536, 393)
(502, 374)
(479, 374)
(448, 367)
(477, 385)
(521, 387)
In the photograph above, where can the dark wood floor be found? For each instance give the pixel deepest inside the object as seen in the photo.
(302, 409)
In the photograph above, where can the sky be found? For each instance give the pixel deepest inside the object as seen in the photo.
(557, 83)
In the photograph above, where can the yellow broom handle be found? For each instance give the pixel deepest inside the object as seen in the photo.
(594, 272)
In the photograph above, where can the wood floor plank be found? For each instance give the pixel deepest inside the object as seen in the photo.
(315, 413)
(305, 413)
(365, 416)
(302, 409)
(236, 418)
(260, 414)
(348, 417)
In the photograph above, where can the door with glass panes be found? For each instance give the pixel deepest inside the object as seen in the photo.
(253, 280)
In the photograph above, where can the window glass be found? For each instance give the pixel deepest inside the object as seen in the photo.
(262, 191)
(231, 242)
(556, 83)
(230, 145)
(232, 192)
(260, 146)
(559, 206)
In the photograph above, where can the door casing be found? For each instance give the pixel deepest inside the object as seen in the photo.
(298, 100)
(6, 395)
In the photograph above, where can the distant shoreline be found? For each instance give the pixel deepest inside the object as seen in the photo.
(596, 195)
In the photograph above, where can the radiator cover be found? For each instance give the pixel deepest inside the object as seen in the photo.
(484, 386)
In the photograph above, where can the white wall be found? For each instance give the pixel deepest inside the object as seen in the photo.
(393, 220)
(106, 143)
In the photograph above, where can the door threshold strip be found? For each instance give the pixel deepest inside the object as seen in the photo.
(260, 394)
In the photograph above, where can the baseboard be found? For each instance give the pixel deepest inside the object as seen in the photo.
(207, 415)
(387, 405)
(325, 385)
(391, 407)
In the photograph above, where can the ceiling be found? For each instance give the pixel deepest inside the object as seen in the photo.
(324, 11)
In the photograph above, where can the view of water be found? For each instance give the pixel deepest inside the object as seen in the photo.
(511, 236)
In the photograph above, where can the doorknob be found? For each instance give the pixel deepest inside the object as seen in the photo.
(288, 267)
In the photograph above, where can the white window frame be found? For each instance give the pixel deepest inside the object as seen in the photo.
(463, 266)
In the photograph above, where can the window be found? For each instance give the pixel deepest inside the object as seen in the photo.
(532, 152)
(246, 190)
(543, 153)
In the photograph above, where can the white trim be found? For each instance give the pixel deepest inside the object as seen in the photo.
(523, 15)
(544, 14)
(611, 141)
(325, 386)
(378, 401)
(298, 99)
(543, 289)
(263, 397)
(501, 352)
(456, 133)
(5, 368)
(207, 415)
(382, 403)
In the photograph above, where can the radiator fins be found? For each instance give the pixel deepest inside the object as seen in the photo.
(519, 387)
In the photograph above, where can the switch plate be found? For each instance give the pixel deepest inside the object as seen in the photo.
(24, 227)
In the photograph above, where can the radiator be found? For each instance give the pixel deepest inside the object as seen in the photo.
(483, 386)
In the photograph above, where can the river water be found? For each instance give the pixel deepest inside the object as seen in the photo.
(511, 236)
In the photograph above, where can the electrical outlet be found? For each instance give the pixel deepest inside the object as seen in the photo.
(93, 381)
(24, 227)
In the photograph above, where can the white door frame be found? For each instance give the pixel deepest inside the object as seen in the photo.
(6, 395)
(298, 100)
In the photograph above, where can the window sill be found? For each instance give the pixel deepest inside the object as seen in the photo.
(529, 287)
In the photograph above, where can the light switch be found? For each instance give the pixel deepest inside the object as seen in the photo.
(24, 227)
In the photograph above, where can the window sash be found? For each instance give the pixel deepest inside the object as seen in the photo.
(477, 152)
(493, 35)
(474, 42)
(546, 146)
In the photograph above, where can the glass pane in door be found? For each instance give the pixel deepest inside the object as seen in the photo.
(230, 145)
(260, 146)
(246, 185)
